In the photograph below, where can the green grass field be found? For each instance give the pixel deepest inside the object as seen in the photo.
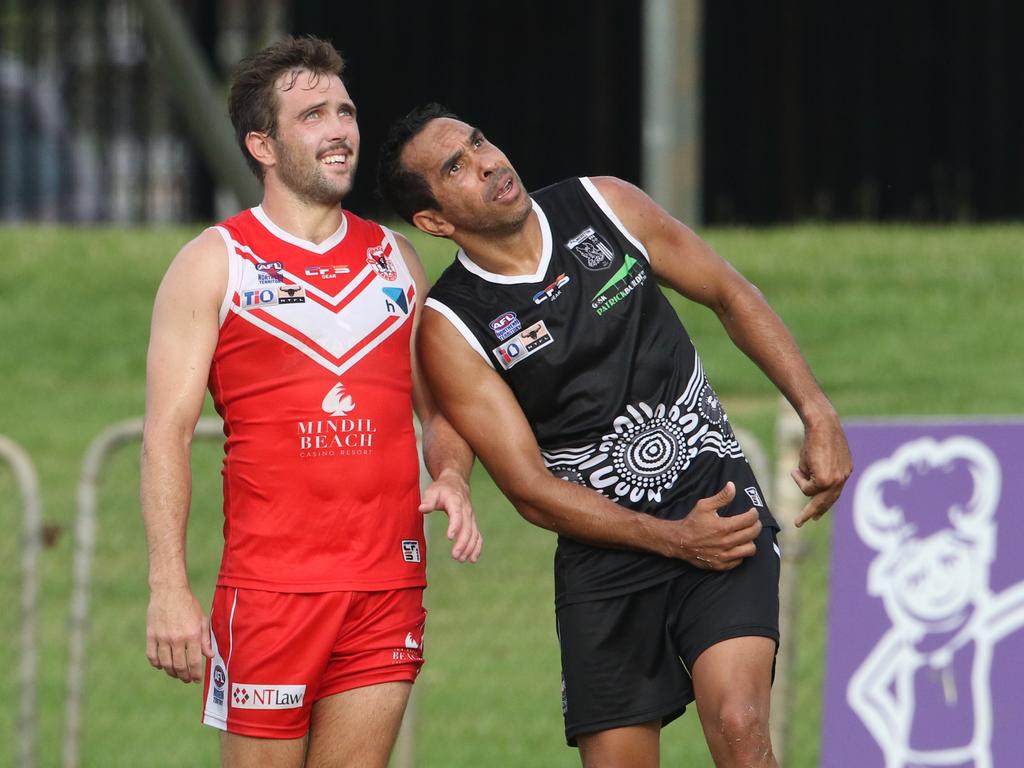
(894, 320)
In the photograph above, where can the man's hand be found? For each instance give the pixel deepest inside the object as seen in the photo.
(709, 541)
(177, 634)
(451, 493)
(825, 464)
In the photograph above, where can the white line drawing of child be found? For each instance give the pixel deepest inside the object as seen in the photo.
(924, 690)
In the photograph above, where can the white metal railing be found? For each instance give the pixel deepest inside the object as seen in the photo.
(31, 543)
(785, 505)
(787, 502)
(85, 545)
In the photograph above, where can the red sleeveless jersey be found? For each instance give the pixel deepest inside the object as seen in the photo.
(312, 377)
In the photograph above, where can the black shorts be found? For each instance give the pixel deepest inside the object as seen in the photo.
(625, 659)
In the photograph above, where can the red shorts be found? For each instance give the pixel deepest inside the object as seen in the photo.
(275, 653)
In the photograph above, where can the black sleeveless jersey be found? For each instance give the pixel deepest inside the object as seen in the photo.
(607, 377)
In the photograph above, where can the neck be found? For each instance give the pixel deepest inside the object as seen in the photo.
(313, 222)
(517, 252)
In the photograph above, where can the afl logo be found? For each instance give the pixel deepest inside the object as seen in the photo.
(505, 325)
(219, 678)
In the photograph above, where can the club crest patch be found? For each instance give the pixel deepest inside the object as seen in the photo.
(378, 258)
(591, 250)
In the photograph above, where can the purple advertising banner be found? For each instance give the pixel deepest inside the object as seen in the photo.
(925, 658)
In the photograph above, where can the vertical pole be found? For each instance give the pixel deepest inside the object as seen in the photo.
(672, 106)
(787, 503)
(31, 543)
(199, 97)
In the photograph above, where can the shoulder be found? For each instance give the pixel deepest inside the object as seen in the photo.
(455, 280)
(637, 212)
(405, 248)
(618, 192)
(614, 195)
(559, 188)
(207, 252)
(201, 266)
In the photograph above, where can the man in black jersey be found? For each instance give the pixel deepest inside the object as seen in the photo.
(551, 349)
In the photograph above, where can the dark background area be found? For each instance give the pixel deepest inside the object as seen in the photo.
(811, 109)
(876, 110)
(825, 109)
(556, 85)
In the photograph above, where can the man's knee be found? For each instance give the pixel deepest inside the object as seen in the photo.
(740, 721)
(238, 751)
(738, 733)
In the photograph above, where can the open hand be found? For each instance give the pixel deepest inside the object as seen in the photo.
(451, 494)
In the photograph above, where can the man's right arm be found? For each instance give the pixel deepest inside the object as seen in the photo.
(183, 337)
(485, 412)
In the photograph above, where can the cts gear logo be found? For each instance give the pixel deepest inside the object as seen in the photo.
(326, 271)
(552, 291)
(336, 402)
(411, 550)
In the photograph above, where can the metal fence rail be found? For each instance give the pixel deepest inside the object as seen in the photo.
(31, 544)
(84, 546)
(85, 537)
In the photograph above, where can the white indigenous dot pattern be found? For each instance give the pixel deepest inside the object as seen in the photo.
(650, 446)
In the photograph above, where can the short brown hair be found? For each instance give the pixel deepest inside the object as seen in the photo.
(252, 102)
(407, 192)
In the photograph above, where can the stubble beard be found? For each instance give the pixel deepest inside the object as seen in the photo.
(509, 224)
(511, 221)
(311, 184)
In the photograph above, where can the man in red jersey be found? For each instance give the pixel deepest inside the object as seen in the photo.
(300, 318)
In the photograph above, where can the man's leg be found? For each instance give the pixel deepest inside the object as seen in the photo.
(621, 678)
(357, 728)
(237, 751)
(732, 681)
(634, 746)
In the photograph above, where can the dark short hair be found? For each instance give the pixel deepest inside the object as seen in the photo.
(252, 102)
(405, 191)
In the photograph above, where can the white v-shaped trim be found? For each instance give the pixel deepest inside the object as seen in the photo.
(603, 205)
(542, 267)
(332, 299)
(280, 234)
(339, 364)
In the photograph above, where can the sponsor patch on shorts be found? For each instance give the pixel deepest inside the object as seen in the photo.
(258, 696)
(755, 497)
(219, 679)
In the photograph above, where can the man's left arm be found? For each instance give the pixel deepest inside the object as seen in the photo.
(448, 457)
(687, 264)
